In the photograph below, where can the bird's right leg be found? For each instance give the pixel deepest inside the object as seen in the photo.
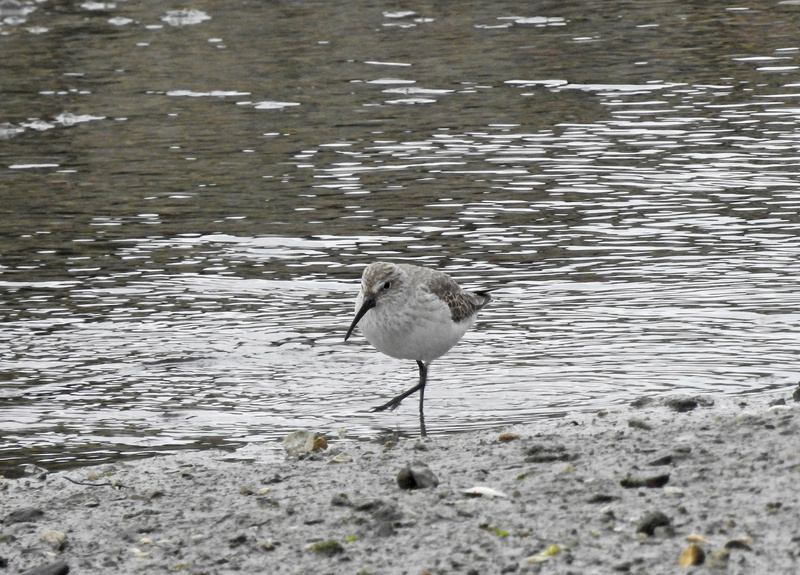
(394, 402)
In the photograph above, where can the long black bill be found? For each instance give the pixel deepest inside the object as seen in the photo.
(369, 303)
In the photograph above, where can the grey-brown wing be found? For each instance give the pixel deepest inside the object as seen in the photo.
(462, 304)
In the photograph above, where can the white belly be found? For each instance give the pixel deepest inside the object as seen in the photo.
(421, 330)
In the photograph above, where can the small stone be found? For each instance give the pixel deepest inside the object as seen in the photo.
(56, 539)
(717, 559)
(92, 476)
(602, 498)
(548, 454)
(91, 502)
(341, 500)
(268, 545)
(481, 491)
(663, 460)
(341, 458)
(416, 475)
(682, 404)
(654, 481)
(695, 538)
(692, 555)
(57, 568)
(179, 566)
(245, 491)
(639, 424)
(303, 441)
(504, 437)
(743, 544)
(650, 521)
(139, 553)
(263, 491)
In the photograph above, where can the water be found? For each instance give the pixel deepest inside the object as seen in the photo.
(189, 198)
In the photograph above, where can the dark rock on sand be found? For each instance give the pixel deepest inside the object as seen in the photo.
(655, 481)
(639, 424)
(602, 498)
(341, 500)
(682, 404)
(416, 475)
(57, 568)
(663, 460)
(546, 454)
(652, 520)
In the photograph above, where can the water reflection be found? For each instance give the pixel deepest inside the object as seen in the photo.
(182, 247)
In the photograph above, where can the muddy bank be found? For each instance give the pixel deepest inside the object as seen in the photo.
(709, 484)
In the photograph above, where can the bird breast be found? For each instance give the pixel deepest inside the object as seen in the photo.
(416, 326)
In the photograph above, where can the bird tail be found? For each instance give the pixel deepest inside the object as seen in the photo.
(482, 298)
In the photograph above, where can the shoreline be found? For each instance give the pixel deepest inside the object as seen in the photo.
(646, 488)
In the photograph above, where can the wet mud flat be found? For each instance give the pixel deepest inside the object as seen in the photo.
(677, 484)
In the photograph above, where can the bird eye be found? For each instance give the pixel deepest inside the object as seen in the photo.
(387, 285)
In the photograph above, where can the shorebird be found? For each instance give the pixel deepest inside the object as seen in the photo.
(412, 312)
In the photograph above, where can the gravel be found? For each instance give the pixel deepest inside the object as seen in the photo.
(622, 491)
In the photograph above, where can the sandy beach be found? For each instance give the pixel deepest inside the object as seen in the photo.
(666, 485)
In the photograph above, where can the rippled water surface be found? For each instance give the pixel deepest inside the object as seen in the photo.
(189, 197)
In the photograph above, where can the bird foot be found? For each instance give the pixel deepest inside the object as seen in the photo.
(391, 406)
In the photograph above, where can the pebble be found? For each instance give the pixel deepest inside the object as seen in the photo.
(303, 441)
(652, 520)
(682, 404)
(545, 454)
(504, 437)
(717, 559)
(57, 568)
(481, 491)
(692, 555)
(139, 553)
(743, 543)
(268, 545)
(639, 424)
(341, 458)
(653, 481)
(416, 475)
(56, 539)
(663, 460)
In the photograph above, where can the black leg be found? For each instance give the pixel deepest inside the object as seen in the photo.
(392, 404)
(423, 379)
